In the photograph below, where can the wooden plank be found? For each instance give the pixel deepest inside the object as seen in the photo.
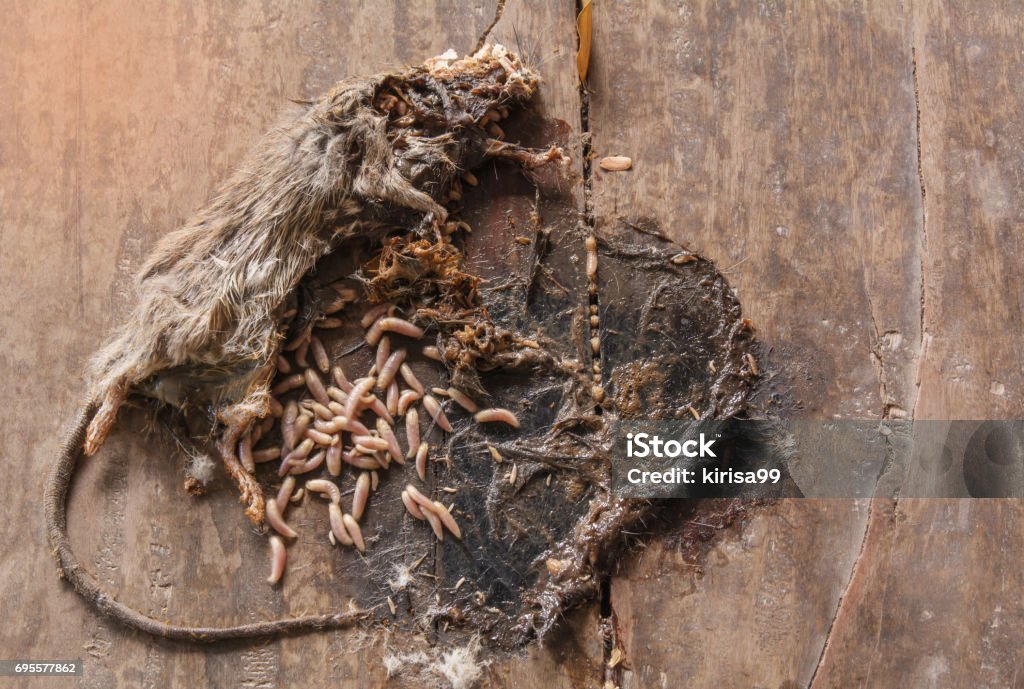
(939, 602)
(122, 117)
(777, 139)
(755, 142)
(936, 600)
(752, 610)
(970, 166)
(792, 163)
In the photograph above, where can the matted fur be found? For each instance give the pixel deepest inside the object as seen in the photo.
(208, 292)
(208, 319)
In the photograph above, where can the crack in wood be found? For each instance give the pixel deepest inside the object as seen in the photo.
(877, 359)
(923, 247)
(875, 351)
(826, 644)
(606, 616)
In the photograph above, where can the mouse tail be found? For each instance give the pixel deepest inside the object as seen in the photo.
(55, 504)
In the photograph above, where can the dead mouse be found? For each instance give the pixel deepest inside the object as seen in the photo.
(369, 155)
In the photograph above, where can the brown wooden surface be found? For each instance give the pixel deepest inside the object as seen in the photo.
(855, 169)
(120, 118)
(781, 140)
(936, 600)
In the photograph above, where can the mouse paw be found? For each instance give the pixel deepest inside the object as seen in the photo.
(101, 424)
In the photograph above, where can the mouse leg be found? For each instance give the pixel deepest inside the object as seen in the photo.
(101, 424)
(529, 158)
(391, 186)
(238, 419)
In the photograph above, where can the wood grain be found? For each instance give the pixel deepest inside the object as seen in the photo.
(749, 613)
(974, 207)
(758, 144)
(853, 168)
(779, 140)
(122, 118)
(938, 599)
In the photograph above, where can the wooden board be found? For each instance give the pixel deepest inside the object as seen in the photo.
(121, 119)
(780, 139)
(937, 598)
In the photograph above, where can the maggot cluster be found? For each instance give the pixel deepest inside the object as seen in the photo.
(328, 420)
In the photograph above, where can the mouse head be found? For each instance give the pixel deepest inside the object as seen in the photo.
(450, 91)
(492, 75)
(442, 117)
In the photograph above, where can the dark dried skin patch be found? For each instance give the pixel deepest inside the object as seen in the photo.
(661, 325)
(673, 340)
